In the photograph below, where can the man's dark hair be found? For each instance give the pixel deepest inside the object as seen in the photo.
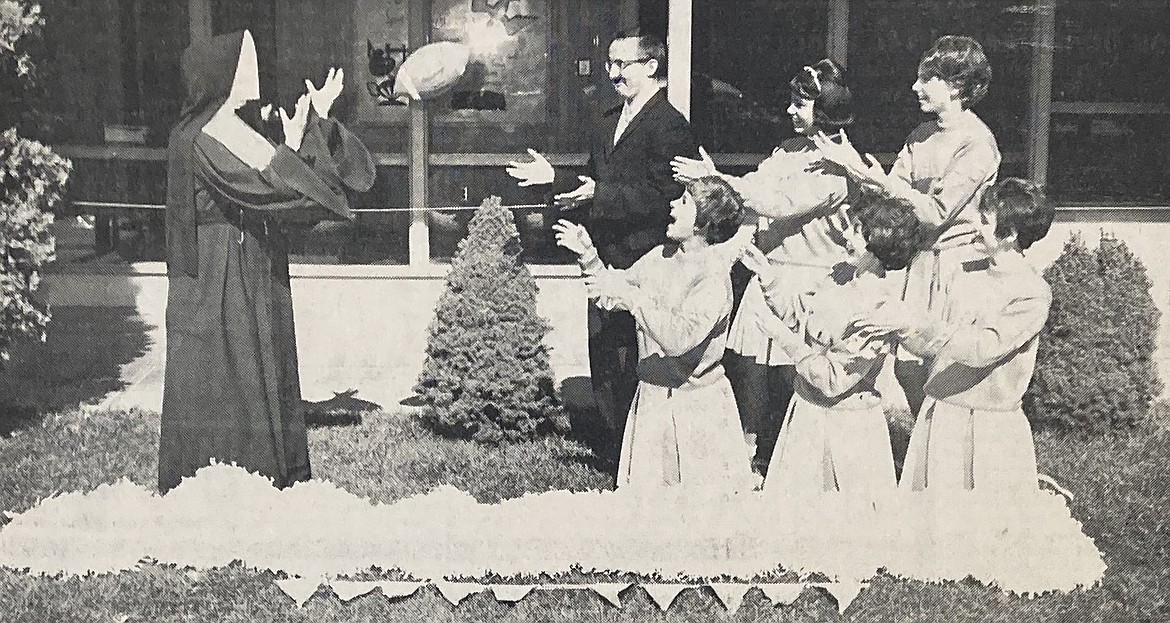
(650, 45)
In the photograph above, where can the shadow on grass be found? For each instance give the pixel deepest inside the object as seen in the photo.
(80, 362)
(343, 409)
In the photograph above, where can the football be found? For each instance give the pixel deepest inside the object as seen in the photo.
(431, 70)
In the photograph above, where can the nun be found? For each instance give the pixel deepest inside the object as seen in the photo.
(231, 389)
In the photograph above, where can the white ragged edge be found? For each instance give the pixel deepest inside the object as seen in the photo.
(843, 592)
(511, 592)
(398, 590)
(664, 594)
(456, 592)
(301, 589)
(782, 594)
(730, 594)
(348, 591)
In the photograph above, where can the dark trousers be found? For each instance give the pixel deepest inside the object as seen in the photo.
(762, 394)
(613, 367)
(911, 376)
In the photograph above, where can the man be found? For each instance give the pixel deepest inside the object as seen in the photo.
(630, 187)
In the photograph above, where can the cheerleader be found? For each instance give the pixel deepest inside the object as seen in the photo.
(683, 429)
(942, 171)
(973, 505)
(801, 223)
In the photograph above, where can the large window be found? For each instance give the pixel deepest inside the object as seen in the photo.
(1110, 120)
(536, 71)
(537, 75)
(886, 41)
(744, 55)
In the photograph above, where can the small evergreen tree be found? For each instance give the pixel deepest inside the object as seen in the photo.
(1094, 365)
(487, 375)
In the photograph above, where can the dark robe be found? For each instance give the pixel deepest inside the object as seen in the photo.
(232, 391)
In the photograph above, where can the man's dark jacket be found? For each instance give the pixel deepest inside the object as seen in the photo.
(631, 203)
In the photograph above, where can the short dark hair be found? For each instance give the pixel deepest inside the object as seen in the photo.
(892, 231)
(719, 209)
(650, 45)
(823, 83)
(960, 62)
(1020, 206)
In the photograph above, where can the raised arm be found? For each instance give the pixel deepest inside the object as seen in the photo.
(337, 154)
(783, 187)
(985, 340)
(286, 188)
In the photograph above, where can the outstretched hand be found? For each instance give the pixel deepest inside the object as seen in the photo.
(574, 198)
(324, 97)
(689, 169)
(754, 260)
(539, 171)
(294, 127)
(867, 171)
(572, 236)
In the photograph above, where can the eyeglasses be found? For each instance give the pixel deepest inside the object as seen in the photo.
(621, 65)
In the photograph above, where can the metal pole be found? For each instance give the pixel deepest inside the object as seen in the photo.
(1040, 105)
(678, 55)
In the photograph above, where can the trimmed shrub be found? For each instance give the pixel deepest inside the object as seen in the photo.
(487, 375)
(32, 179)
(1094, 366)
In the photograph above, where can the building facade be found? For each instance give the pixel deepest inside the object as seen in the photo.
(1075, 103)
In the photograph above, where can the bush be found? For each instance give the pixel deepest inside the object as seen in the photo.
(32, 179)
(1094, 366)
(487, 375)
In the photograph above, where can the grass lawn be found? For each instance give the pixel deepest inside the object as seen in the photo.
(1121, 484)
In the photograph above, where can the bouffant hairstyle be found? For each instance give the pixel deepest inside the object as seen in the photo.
(893, 234)
(1020, 206)
(823, 83)
(960, 62)
(719, 209)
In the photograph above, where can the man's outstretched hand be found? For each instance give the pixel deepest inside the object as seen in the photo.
(539, 171)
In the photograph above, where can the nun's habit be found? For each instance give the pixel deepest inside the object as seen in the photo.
(231, 389)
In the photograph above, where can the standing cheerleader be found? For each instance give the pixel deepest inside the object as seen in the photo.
(942, 171)
(801, 227)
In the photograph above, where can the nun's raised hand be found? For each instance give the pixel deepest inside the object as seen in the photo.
(539, 171)
(689, 169)
(324, 97)
(294, 127)
(572, 236)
